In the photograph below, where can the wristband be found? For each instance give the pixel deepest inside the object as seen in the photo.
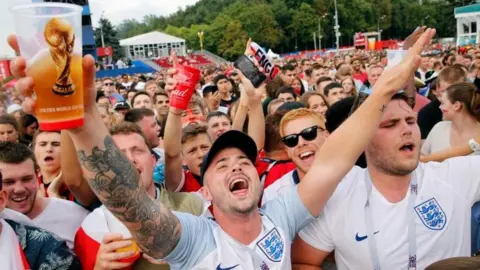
(474, 146)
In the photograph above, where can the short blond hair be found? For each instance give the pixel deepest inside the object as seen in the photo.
(299, 113)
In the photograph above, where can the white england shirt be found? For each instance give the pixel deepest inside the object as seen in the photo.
(442, 214)
(281, 186)
(204, 245)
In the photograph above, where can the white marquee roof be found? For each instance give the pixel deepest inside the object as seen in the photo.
(154, 37)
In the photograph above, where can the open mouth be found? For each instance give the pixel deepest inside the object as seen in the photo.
(239, 187)
(48, 159)
(306, 155)
(19, 199)
(407, 148)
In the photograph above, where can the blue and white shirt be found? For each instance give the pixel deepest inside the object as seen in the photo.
(204, 245)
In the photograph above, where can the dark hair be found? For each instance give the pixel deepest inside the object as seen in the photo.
(287, 89)
(100, 97)
(159, 93)
(9, 120)
(139, 93)
(330, 87)
(218, 78)
(468, 95)
(317, 66)
(16, 153)
(136, 115)
(445, 58)
(129, 91)
(216, 114)
(192, 131)
(361, 97)
(305, 60)
(35, 136)
(127, 128)
(463, 263)
(28, 120)
(288, 67)
(323, 79)
(273, 140)
(468, 56)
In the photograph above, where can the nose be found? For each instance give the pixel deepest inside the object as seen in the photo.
(301, 141)
(407, 128)
(19, 187)
(237, 167)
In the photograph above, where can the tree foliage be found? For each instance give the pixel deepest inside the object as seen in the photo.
(109, 36)
(284, 25)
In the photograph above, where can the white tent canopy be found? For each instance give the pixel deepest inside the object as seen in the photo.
(152, 45)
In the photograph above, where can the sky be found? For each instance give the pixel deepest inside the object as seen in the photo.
(115, 10)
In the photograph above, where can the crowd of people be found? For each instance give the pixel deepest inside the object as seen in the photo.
(340, 162)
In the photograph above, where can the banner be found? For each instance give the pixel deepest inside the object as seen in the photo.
(107, 51)
(4, 69)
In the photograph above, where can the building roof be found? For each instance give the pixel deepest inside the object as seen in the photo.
(154, 37)
(474, 8)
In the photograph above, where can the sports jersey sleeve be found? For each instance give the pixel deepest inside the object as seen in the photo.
(196, 242)
(317, 234)
(288, 212)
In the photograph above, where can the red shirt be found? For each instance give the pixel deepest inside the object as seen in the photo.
(362, 76)
(191, 184)
(271, 170)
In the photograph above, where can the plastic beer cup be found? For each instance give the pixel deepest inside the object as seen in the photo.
(50, 39)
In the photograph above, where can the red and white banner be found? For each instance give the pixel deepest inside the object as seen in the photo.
(360, 40)
(5, 69)
(107, 51)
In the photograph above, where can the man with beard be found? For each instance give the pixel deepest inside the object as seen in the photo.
(303, 134)
(243, 236)
(397, 213)
(19, 168)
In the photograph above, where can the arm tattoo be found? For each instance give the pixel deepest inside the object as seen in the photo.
(383, 108)
(117, 184)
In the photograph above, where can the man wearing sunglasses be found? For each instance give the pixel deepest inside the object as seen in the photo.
(109, 87)
(303, 134)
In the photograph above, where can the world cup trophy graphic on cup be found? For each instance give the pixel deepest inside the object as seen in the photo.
(60, 38)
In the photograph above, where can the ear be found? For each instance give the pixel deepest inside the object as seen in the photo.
(3, 200)
(154, 160)
(326, 134)
(457, 106)
(205, 192)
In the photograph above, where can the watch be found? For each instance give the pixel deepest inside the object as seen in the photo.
(474, 146)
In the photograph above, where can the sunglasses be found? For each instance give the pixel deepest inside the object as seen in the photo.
(108, 84)
(308, 134)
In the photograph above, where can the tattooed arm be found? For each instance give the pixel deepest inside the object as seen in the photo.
(117, 184)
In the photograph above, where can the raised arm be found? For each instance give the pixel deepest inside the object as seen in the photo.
(256, 119)
(173, 145)
(111, 176)
(72, 174)
(339, 152)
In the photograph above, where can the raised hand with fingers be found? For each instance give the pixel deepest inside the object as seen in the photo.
(395, 78)
(108, 258)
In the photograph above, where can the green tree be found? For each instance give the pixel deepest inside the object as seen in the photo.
(304, 24)
(234, 41)
(109, 36)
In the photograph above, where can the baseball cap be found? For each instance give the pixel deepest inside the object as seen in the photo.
(230, 139)
(122, 105)
(13, 108)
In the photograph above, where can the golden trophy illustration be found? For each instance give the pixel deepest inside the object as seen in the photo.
(60, 38)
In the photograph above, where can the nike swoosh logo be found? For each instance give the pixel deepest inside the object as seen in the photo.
(228, 268)
(361, 238)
